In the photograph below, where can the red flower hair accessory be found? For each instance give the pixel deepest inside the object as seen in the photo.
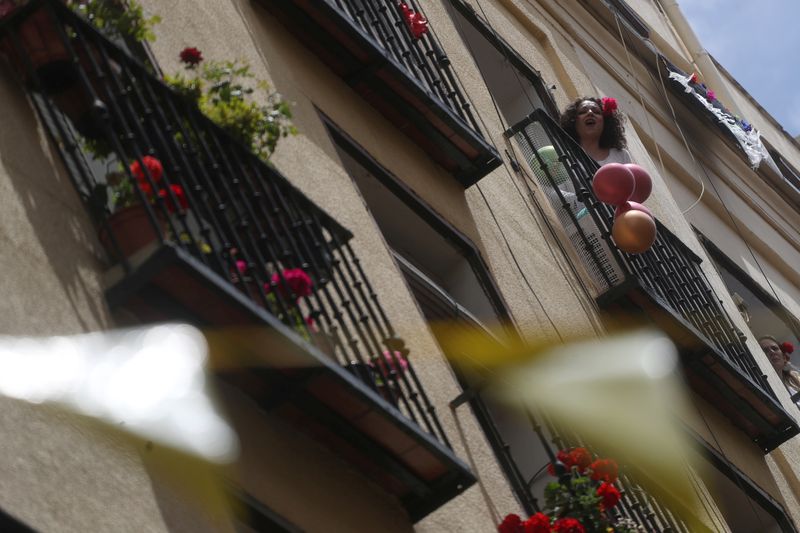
(609, 105)
(693, 78)
(787, 347)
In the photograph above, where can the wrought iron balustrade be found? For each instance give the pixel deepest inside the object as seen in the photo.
(402, 72)
(213, 199)
(669, 271)
(636, 504)
(422, 57)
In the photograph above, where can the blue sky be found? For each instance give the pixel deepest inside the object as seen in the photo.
(758, 42)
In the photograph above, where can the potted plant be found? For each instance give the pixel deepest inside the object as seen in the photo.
(129, 221)
(579, 501)
(42, 41)
(225, 91)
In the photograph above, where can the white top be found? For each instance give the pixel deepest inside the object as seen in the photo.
(616, 156)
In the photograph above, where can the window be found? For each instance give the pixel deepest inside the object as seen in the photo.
(252, 516)
(743, 504)
(515, 86)
(449, 281)
(762, 312)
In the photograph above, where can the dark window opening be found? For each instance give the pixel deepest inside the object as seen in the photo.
(630, 17)
(450, 282)
(743, 504)
(762, 311)
(252, 516)
(516, 86)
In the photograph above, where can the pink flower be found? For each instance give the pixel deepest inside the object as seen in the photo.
(191, 56)
(241, 266)
(295, 278)
(392, 362)
(710, 95)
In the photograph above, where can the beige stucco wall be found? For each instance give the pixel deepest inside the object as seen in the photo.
(604, 69)
(302, 481)
(53, 281)
(245, 30)
(58, 472)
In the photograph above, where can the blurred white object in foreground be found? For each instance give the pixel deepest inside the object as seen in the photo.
(150, 382)
(622, 393)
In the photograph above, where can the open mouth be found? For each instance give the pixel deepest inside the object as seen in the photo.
(590, 121)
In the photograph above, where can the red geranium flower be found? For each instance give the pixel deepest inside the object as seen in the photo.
(296, 278)
(191, 56)
(577, 457)
(177, 191)
(568, 525)
(609, 494)
(787, 347)
(511, 524)
(153, 166)
(604, 470)
(538, 523)
(580, 458)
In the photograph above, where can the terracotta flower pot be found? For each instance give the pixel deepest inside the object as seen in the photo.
(131, 228)
(41, 41)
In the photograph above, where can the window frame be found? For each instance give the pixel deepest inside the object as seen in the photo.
(516, 60)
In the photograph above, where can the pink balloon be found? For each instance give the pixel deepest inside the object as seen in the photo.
(628, 206)
(644, 183)
(613, 183)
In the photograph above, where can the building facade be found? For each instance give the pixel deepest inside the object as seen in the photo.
(414, 192)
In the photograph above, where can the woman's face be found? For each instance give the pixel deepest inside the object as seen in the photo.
(589, 120)
(774, 353)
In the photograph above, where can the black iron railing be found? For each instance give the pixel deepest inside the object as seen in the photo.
(637, 504)
(669, 271)
(201, 191)
(422, 58)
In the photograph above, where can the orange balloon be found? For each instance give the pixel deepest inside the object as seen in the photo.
(634, 231)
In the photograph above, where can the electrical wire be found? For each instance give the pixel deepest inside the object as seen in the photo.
(592, 311)
(708, 178)
(647, 115)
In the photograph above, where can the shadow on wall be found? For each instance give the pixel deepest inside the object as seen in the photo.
(50, 261)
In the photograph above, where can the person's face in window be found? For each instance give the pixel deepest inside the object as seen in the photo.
(589, 120)
(774, 353)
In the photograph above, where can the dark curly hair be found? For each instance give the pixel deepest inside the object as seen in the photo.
(613, 135)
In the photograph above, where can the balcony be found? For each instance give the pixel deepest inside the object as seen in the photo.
(666, 285)
(409, 80)
(219, 238)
